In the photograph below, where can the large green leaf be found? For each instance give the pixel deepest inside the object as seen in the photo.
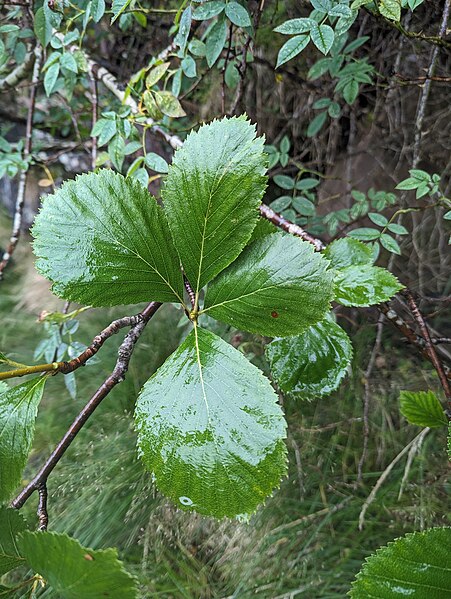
(416, 565)
(18, 410)
(313, 363)
(364, 285)
(278, 286)
(74, 571)
(11, 524)
(210, 429)
(212, 194)
(422, 408)
(348, 252)
(103, 240)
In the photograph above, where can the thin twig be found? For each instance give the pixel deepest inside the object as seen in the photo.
(291, 228)
(20, 199)
(42, 507)
(117, 376)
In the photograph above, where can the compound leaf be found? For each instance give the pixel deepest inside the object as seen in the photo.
(416, 565)
(210, 429)
(103, 241)
(311, 364)
(11, 524)
(18, 410)
(278, 286)
(74, 571)
(422, 408)
(364, 285)
(211, 196)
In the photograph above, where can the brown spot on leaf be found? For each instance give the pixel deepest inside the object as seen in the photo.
(274, 314)
(88, 557)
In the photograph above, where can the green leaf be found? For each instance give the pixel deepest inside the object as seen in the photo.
(42, 27)
(51, 77)
(237, 14)
(416, 565)
(312, 364)
(348, 252)
(68, 62)
(18, 410)
(208, 10)
(211, 196)
(215, 41)
(351, 91)
(390, 244)
(3, 358)
(210, 429)
(364, 285)
(296, 26)
(365, 234)
(278, 286)
(304, 206)
(156, 163)
(323, 37)
(98, 9)
(118, 8)
(103, 241)
(307, 183)
(232, 75)
(188, 65)
(409, 183)
(316, 124)
(181, 39)
(284, 181)
(74, 571)
(292, 48)
(378, 219)
(397, 229)
(11, 524)
(422, 408)
(280, 204)
(157, 73)
(169, 104)
(391, 9)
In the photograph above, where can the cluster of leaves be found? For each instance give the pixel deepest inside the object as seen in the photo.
(12, 161)
(13, 44)
(209, 425)
(390, 9)
(295, 207)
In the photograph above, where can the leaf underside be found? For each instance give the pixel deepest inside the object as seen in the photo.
(11, 524)
(211, 196)
(211, 430)
(422, 408)
(416, 565)
(364, 285)
(313, 363)
(278, 286)
(103, 240)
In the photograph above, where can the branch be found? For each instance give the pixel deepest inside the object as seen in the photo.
(283, 223)
(81, 359)
(429, 347)
(20, 199)
(117, 376)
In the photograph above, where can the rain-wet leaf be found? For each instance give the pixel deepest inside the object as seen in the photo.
(210, 429)
(212, 192)
(103, 241)
(74, 571)
(422, 408)
(416, 565)
(311, 364)
(348, 252)
(11, 524)
(364, 285)
(18, 410)
(278, 286)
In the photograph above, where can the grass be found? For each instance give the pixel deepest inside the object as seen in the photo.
(304, 542)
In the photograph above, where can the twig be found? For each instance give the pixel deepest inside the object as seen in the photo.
(380, 481)
(117, 376)
(42, 507)
(291, 228)
(429, 347)
(20, 199)
(81, 359)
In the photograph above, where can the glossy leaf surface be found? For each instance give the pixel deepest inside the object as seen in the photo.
(74, 571)
(103, 240)
(422, 408)
(416, 565)
(364, 285)
(348, 252)
(278, 286)
(210, 429)
(311, 364)
(11, 524)
(211, 196)
(18, 410)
